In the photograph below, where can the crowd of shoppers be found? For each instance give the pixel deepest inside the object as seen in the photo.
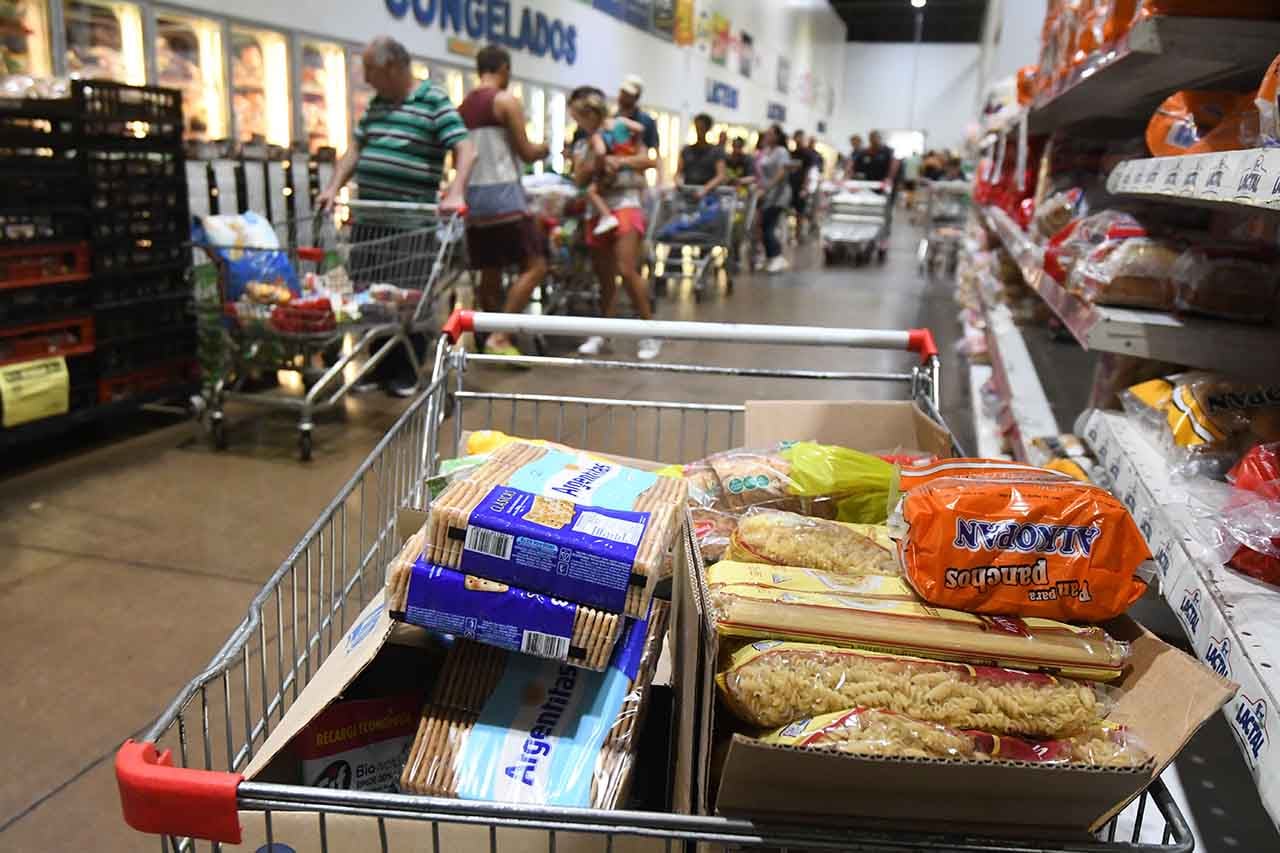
(410, 127)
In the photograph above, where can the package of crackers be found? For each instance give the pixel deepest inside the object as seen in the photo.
(507, 727)
(559, 522)
(501, 615)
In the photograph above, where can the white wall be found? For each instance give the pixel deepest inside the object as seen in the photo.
(877, 85)
(807, 32)
(1011, 37)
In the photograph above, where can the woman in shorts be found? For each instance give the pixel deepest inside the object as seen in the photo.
(614, 253)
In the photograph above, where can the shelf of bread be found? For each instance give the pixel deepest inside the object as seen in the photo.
(986, 428)
(1248, 178)
(1229, 618)
(1027, 415)
(1234, 348)
(1159, 55)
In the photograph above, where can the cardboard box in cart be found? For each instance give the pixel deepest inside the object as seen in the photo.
(1164, 697)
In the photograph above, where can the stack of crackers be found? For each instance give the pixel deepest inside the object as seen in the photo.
(469, 678)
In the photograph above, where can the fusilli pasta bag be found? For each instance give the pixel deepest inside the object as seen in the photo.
(770, 683)
(788, 539)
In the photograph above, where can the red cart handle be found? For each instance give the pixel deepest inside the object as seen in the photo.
(161, 799)
(311, 253)
(920, 342)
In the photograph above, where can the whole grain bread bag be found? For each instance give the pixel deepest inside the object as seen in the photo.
(1052, 548)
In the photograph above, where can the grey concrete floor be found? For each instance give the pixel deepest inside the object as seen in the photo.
(131, 553)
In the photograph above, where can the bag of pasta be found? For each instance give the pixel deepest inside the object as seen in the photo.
(1052, 548)
(1203, 422)
(770, 683)
(787, 539)
(865, 731)
(814, 479)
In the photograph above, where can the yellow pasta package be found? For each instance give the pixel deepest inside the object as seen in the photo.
(788, 539)
(770, 683)
(883, 614)
(866, 731)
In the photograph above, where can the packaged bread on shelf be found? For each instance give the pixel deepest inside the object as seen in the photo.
(1054, 548)
(1223, 283)
(788, 539)
(1135, 272)
(884, 614)
(770, 683)
(562, 523)
(866, 731)
(507, 727)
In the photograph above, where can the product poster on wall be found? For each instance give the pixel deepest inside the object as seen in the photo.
(746, 54)
(664, 19)
(686, 23)
(721, 31)
(784, 75)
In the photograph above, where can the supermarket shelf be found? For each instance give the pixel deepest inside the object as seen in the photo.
(1246, 181)
(1229, 619)
(1027, 414)
(1236, 348)
(986, 430)
(1159, 56)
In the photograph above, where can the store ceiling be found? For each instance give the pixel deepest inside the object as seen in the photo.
(894, 20)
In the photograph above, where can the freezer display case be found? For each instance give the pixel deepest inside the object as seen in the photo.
(189, 59)
(324, 95)
(104, 41)
(260, 85)
(24, 38)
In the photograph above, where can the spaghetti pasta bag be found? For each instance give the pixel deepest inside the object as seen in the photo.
(884, 614)
(865, 731)
(787, 539)
(815, 479)
(1056, 549)
(770, 683)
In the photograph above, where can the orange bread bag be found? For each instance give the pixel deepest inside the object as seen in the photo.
(1051, 548)
(912, 476)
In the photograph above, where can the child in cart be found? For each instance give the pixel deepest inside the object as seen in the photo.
(621, 137)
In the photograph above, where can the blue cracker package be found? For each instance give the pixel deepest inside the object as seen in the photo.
(536, 731)
(566, 524)
(507, 617)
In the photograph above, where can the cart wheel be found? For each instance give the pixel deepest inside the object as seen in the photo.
(218, 433)
(304, 445)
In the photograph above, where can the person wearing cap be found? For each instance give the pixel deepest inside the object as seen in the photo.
(629, 107)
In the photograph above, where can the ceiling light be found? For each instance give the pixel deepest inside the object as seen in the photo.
(918, 4)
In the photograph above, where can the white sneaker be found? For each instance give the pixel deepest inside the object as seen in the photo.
(593, 345)
(605, 225)
(647, 349)
(777, 265)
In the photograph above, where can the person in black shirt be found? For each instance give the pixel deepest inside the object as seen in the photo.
(702, 163)
(855, 148)
(876, 163)
(803, 160)
(739, 164)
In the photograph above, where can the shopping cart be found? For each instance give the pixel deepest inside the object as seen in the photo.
(570, 284)
(383, 267)
(691, 235)
(856, 224)
(945, 213)
(181, 777)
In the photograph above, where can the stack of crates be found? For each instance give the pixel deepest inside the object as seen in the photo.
(139, 221)
(46, 293)
(93, 263)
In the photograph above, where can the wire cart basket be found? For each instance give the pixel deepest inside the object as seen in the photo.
(681, 221)
(946, 208)
(855, 223)
(181, 778)
(384, 267)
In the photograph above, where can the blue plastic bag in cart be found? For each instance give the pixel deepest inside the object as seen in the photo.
(249, 248)
(699, 221)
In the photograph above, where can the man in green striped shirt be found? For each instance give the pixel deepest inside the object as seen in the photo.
(402, 139)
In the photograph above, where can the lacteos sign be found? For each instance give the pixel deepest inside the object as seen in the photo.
(497, 21)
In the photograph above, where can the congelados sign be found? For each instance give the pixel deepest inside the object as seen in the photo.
(496, 21)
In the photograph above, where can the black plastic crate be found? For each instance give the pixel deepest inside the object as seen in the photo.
(22, 306)
(43, 226)
(138, 116)
(134, 354)
(142, 319)
(114, 224)
(109, 165)
(35, 187)
(128, 289)
(35, 121)
(138, 256)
